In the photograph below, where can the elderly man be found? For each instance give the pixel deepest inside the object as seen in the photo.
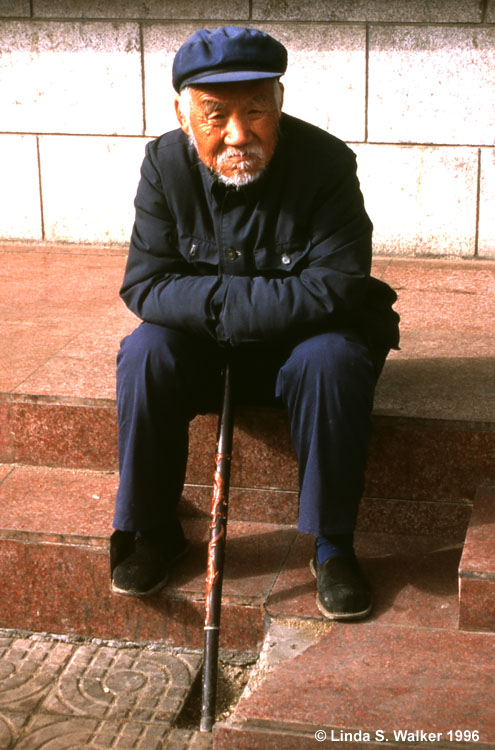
(250, 241)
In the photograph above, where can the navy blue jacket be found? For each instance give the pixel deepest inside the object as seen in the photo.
(282, 258)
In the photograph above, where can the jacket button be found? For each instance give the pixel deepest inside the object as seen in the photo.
(232, 254)
(193, 250)
(285, 259)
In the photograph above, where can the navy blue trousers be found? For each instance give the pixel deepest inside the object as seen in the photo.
(165, 378)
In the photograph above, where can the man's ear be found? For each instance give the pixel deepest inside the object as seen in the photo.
(183, 120)
(281, 94)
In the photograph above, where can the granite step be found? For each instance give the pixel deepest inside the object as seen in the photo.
(434, 420)
(368, 685)
(418, 672)
(54, 530)
(477, 566)
(82, 434)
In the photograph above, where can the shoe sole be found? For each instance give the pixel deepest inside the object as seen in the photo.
(141, 594)
(345, 616)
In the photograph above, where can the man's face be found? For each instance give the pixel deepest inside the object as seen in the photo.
(233, 126)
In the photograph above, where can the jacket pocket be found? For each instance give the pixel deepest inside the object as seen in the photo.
(281, 258)
(200, 253)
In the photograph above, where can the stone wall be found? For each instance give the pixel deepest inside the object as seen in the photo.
(409, 84)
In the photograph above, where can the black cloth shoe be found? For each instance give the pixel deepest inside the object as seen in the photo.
(343, 592)
(141, 566)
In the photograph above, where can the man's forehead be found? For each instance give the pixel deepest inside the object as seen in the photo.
(247, 90)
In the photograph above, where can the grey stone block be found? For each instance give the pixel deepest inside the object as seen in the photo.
(70, 77)
(142, 9)
(16, 8)
(27, 672)
(58, 694)
(490, 11)
(487, 203)
(422, 200)
(467, 11)
(103, 682)
(160, 45)
(20, 217)
(89, 186)
(432, 85)
(325, 81)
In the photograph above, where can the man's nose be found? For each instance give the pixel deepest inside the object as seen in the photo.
(237, 132)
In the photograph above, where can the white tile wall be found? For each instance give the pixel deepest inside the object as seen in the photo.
(325, 82)
(368, 10)
(421, 200)
(19, 188)
(143, 9)
(432, 85)
(376, 73)
(70, 77)
(89, 185)
(487, 204)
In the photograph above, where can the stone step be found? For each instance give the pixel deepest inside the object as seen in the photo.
(434, 421)
(477, 567)
(54, 531)
(367, 685)
(410, 458)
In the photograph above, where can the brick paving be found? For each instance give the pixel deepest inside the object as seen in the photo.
(62, 695)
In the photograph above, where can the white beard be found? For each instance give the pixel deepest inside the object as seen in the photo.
(243, 174)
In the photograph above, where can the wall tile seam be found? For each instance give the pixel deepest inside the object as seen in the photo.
(41, 134)
(430, 144)
(142, 58)
(366, 81)
(350, 142)
(122, 20)
(478, 208)
(40, 189)
(259, 22)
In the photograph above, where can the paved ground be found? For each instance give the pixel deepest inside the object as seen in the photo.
(66, 695)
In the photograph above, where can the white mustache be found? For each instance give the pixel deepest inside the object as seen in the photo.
(247, 154)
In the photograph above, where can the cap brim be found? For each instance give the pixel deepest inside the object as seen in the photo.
(229, 76)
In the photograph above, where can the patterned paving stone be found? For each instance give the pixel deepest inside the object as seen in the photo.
(104, 682)
(185, 739)
(59, 695)
(28, 669)
(72, 733)
(10, 727)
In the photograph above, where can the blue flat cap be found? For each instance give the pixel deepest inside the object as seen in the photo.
(228, 54)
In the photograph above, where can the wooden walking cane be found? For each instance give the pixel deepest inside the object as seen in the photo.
(216, 553)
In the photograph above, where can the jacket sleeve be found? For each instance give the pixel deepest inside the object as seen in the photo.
(328, 286)
(158, 284)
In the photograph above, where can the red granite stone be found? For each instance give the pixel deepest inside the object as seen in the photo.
(477, 567)
(414, 579)
(267, 458)
(245, 504)
(478, 556)
(82, 435)
(202, 445)
(61, 502)
(414, 517)
(65, 588)
(55, 525)
(6, 442)
(377, 679)
(400, 461)
(53, 296)
(262, 452)
(5, 470)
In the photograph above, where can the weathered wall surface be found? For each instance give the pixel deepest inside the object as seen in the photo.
(409, 84)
